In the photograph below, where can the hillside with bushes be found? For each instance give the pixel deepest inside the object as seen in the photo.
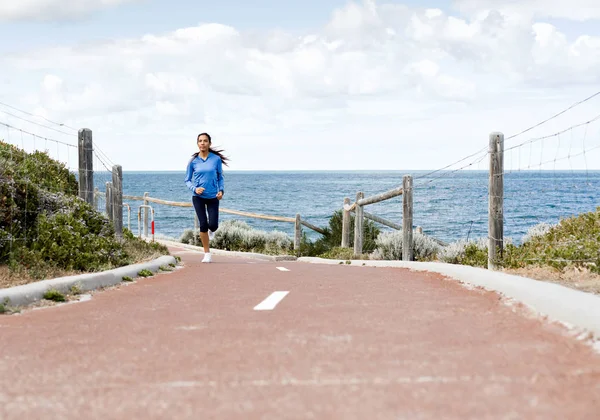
(47, 231)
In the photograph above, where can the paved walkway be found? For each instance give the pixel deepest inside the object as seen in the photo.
(343, 343)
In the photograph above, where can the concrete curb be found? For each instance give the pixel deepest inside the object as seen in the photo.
(30, 293)
(237, 254)
(571, 307)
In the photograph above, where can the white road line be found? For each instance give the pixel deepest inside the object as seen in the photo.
(270, 302)
(282, 269)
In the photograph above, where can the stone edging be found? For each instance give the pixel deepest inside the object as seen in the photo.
(29, 293)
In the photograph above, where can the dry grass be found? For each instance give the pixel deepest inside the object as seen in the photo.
(575, 278)
(139, 254)
(12, 279)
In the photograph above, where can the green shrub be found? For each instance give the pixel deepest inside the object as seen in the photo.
(19, 203)
(78, 238)
(46, 228)
(339, 253)
(38, 168)
(333, 236)
(573, 242)
(235, 235)
(472, 252)
(390, 246)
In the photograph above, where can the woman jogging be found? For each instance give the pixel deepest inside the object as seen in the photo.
(204, 178)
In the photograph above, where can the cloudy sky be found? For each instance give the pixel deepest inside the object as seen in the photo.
(306, 85)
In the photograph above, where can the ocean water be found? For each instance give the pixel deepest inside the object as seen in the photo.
(447, 206)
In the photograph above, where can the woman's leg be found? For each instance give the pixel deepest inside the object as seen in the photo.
(212, 206)
(205, 242)
(200, 207)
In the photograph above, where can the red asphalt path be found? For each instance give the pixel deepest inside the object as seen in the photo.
(345, 343)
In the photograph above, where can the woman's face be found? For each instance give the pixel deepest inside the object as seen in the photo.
(203, 143)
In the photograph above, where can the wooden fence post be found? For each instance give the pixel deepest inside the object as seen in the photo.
(117, 179)
(407, 218)
(109, 201)
(496, 200)
(358, 226)
(298, 234)
(86, 165)
(346, 225)
(147, 215)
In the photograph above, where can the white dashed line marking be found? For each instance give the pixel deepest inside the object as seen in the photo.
(282, 269)
(270, 302)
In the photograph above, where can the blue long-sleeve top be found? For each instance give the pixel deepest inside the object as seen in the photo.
(207, 174)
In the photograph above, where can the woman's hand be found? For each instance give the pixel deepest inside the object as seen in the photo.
(220, 195)
(199, 190)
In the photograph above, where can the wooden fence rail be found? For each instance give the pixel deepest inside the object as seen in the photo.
(296, 220)
(360, 214)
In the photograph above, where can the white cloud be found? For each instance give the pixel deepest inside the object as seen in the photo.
(51, 10)
(415, 87)
(578, 10)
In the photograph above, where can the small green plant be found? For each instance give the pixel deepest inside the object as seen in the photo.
(172, 265)
(165, 268)
(338, 253)
(55, 296)
(4, 306)
(177, 258)
(127, 279)
(75, 290)
(145, 273)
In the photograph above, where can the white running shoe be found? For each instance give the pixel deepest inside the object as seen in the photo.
(211, 235)
(207, 258)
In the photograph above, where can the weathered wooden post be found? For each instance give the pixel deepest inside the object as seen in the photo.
(407, 218)
(147, 215)
(86, 165)
(496, 200)
(298, 234)
(96, 190)
(346, 224)
(109, 201)
(117, 196)
(358, 225)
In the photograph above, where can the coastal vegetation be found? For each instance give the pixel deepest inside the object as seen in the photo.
(47, 231)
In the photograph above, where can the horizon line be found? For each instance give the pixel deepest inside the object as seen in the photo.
(407, 171)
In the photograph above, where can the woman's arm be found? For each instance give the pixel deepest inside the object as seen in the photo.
(188, 175)
(220, 179)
